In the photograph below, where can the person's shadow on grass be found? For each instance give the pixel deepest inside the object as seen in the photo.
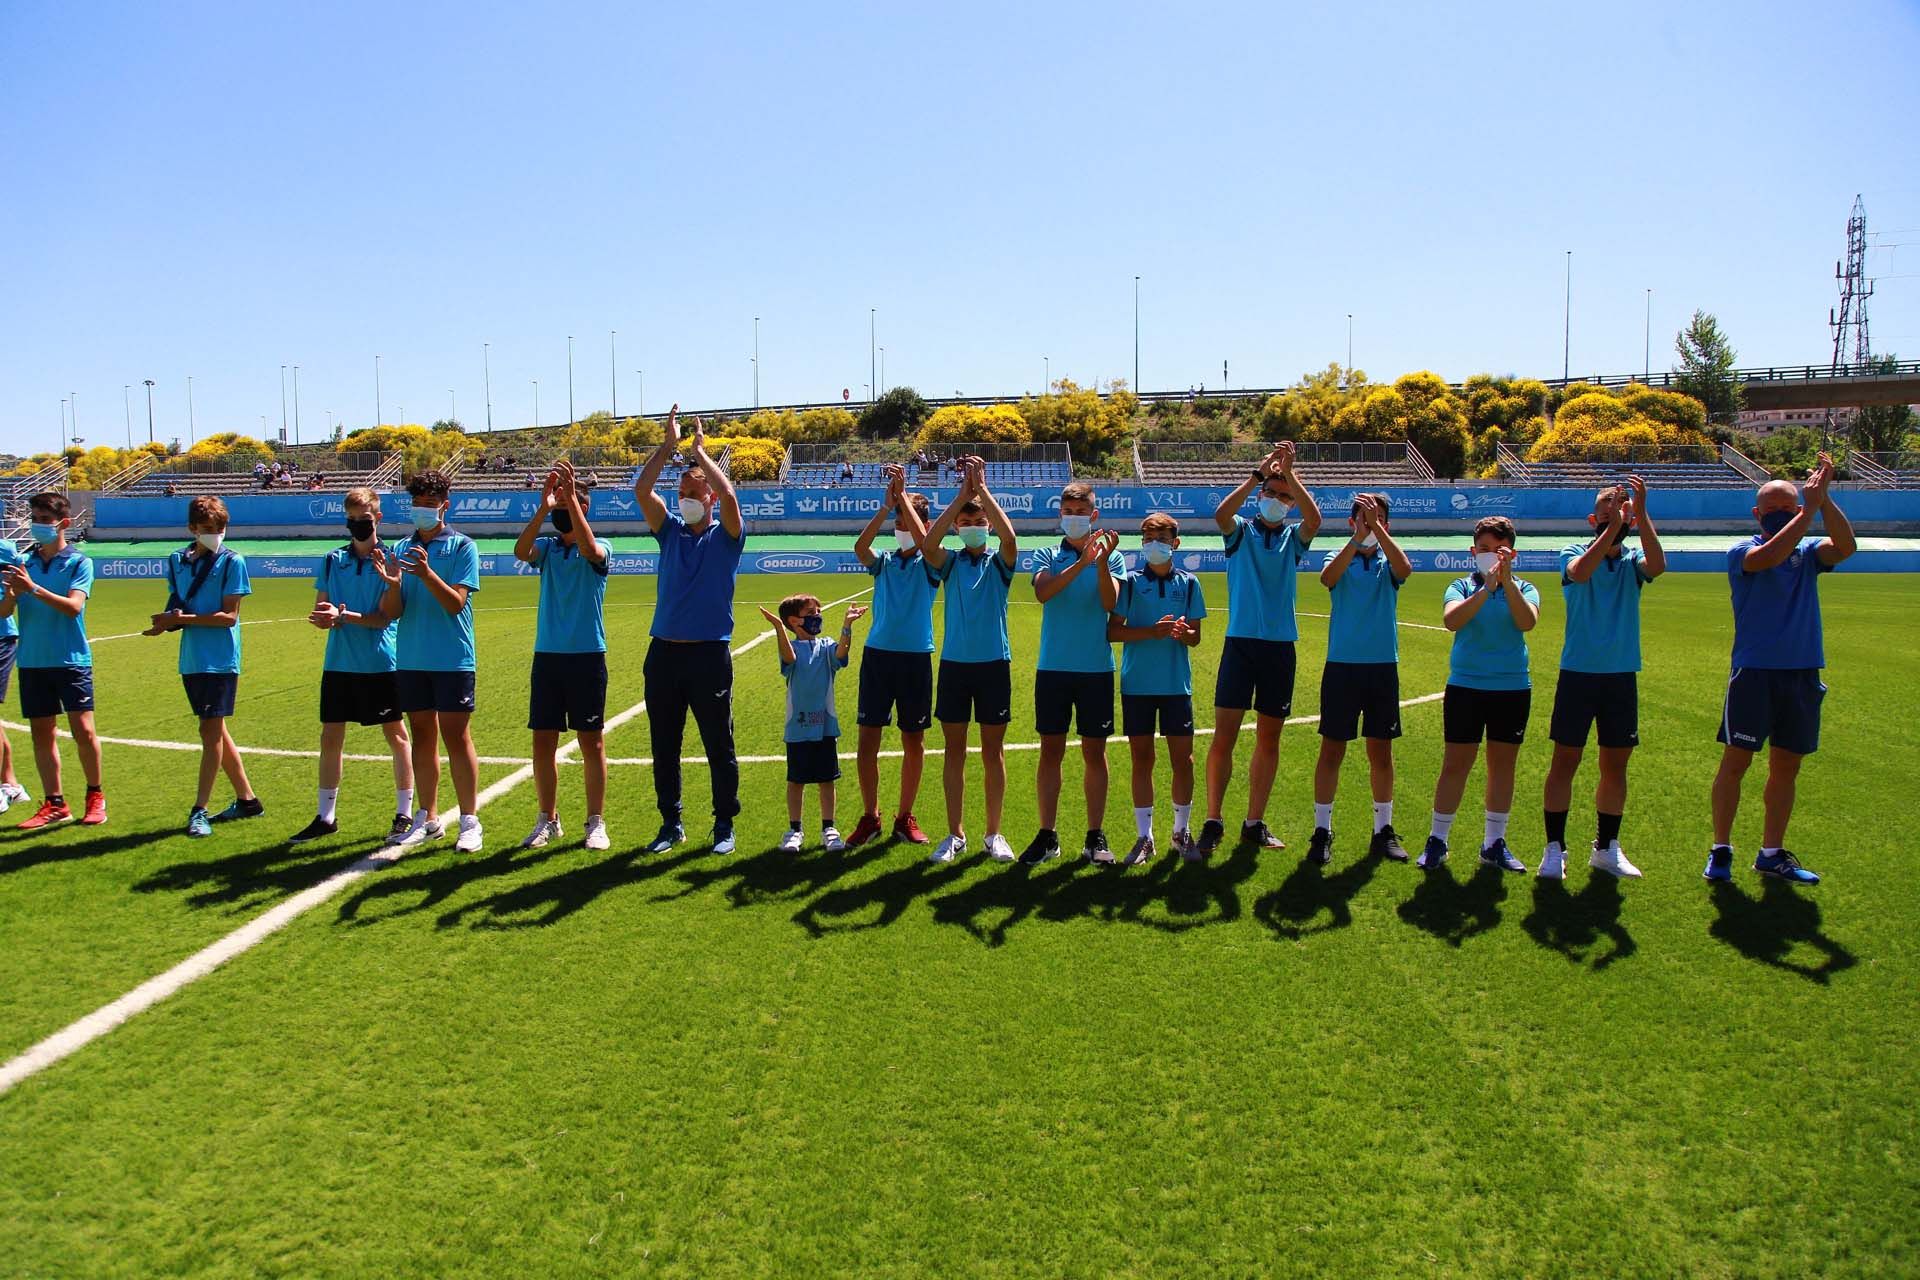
(427, 889)
(1294, 910)
(246, 879)
(877, 902)
(1173, 896)
(25, 850)
(1003, 897)
(553, 898)
(774, 876)
(1574, 924)
(1769, 927)
(1453, 910)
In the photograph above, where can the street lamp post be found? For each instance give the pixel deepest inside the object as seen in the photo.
(1046, 375)
(873, 379)
(570, 418)
(613, 370)
(883, 371)
(296, 404)
(756, 362)
(486, 373)
(149, 410)
(190, 436)
(126, 407)
(536, 402)
(642, 375)
(63, 430)
(283, 404)
(1136, 335)
(1349, 378)
(73, 404)
(1646, 348)
(453, 414)
(1566, 336)
(376, 391)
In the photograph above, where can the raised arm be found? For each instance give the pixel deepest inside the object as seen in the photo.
(1337, 563)
(780, 635)
(1223, 515)
(1839, 542)
(524, 549)
(576, 505)
(393, 602)
(845, 645)
(896, 485)
(1397, 562)
(932, 542)
(1302, 496)
(1524, 612)
(723, 495)
(651, 507)
(996, 516)
(1653, 556)
(1103, 559)
(20, 584)
(1775, 550)
(1583, 565)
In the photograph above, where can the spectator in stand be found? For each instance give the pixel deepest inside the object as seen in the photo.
(846, 469)
(173, 490)
(315, 481)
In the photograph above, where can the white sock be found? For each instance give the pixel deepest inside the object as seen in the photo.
(1382, 814)
(1442, 826)
(1769, 851)
(402, 800)
(1183, 816)
(1143, 821)
(329, 801)
(1323, 816)
(468, 821)
(1496, 828)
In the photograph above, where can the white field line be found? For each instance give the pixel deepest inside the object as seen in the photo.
(76, 1036)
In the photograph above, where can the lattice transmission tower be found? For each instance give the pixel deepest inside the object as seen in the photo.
(1849, 321)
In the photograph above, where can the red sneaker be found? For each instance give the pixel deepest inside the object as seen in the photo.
(96, 809)
(866, 829)
(906, 828)
(48, 812)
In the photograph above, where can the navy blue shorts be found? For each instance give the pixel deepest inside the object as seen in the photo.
(211, 693)
(816, 761)
(362, 697)
(1498, 715)
(1061, 697)
(435, 691)
(47, 691)
(569, 692)
(978, 691)
(1171, 712)
(9, 645)
(890, 679)
(1255, 675)
(1586, 699)
(1360, 698)
(1761, 704)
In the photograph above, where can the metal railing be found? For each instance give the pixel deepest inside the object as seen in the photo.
(1511, 463)
(1326, 452)
(1420, 464)
(1743, 464)
(455, 463)
(831, 454)
(1867, 469)
(387, 474)
(129, 474)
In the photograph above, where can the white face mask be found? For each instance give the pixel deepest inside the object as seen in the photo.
(1370, 541)
(1076, 527)
(211, 541)
(1272, 510)
(905, 541)
(1156, 552)
(1485, 561)
(693, 511)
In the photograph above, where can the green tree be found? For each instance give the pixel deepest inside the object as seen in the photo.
(1706, 368)
(897, 414)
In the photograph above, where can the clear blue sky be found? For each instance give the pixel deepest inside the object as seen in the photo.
(218, 190)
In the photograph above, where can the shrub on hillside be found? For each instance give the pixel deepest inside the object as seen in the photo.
(964, 423)
(1090, 425)
(894, 416)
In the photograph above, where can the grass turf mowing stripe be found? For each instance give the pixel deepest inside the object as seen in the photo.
(76, 1036)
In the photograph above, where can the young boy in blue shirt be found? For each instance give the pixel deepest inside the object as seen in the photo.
(54, 660)
(896, 669)
(976, 661)
(1599, 685)
(808, 663)
(357, 682)
(1257, 663)
(1078, 585)
(1157, 620)
(430, 595)
(1360, 685)
(206, 584)
(11, 792)
(1489, 691)
(569, 654)
(1774, 692)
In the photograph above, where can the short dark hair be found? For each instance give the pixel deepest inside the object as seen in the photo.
(429, 484)
(1499, 526)
(48, 503)
(792, 605)
(972, 508)
(208, 510)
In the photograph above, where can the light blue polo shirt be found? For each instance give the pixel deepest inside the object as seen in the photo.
(1603, 613)
(903, 588)
(1490, 652)
(1776, 613)
(1260, 579)
(697, 572)
(809, 676)
(49, 638)
(354, 584)
(573, 594)
(431, 639)
(976, 595)
(9, 556)
(1158, 667)
(208, 650)
(1365, 607)
(1073, 625)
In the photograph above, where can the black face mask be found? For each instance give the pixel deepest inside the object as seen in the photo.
(1621, 536)
(361, 527)
(562, 521)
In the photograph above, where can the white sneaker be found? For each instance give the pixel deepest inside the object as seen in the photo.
(1553, 863)
(791, 842)
(832, 841)
(469, 841)
(597, 833)
(952, 846)
(998, 849)
(14, 792)
(424, 828)
(6, 801)
(1613, 861)
(545, 829)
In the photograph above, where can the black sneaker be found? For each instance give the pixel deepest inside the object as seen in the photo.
(1386, 844)
(314, 830)
(1212, 832)
(1258, 835)
(248, 808)
(1320, 848)
(671, 834)
(401, 825)
(1498, 855)
(1044, 847)
(1096, 850)
(1434, 855)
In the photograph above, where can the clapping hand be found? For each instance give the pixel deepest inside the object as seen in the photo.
(854, 614)
(566, 482)
(1099, 547)
(673, 425)
(325, 615)
(896, 476)
(550, 491)
(1282, 457)
(386, 567)
(17, 581)
(1366, 515)
(1503, 566)
(774, 618)
(1814, 492)
(1169, 627)
(163, 623)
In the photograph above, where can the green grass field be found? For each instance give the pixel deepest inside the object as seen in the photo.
(557, 1063)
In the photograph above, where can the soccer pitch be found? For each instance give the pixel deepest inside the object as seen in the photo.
(557, 1062)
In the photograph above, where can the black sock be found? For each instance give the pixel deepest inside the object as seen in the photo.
(1609, 830)
(826, 820)
(794, 825)
(56, 798)
(1557, 827)
(1047, 834)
